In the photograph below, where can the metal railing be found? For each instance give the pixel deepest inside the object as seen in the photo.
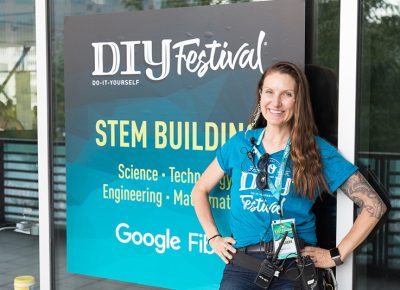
(383, 251)
(19, 181)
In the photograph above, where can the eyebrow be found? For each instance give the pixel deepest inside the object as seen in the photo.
(285, 90)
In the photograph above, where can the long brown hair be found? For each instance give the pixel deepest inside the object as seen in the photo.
(304, 152)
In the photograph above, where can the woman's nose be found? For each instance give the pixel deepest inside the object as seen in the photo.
(277, 100)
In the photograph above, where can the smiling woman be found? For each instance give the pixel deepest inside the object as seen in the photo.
(284, 135)
(319, 44)
(284, 102)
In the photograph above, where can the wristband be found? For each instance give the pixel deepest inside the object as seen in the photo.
(217, 235)
(335, 255)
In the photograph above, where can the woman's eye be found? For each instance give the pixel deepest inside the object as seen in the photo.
(268, 92)
(288, 94)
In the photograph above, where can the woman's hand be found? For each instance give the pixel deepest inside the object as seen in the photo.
(222, 246)
(320, 257)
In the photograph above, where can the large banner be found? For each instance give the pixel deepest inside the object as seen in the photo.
(150, 96)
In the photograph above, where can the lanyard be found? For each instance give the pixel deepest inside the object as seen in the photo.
(277, 187)
(259, 140)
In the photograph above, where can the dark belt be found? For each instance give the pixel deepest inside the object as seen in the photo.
(267, 247)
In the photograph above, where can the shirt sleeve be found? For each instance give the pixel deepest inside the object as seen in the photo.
(336, 168)
(224, 155)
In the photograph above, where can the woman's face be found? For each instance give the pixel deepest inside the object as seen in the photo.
(277, 99)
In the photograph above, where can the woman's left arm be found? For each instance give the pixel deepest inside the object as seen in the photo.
(372, 209)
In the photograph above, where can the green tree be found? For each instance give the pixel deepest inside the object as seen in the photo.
(380, 70)
(379, 109)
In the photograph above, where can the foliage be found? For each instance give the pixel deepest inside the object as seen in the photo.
(380, 70)
(379, 107)
(58, 124)
(328, 35)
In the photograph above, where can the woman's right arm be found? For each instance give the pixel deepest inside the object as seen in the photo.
(208, 180)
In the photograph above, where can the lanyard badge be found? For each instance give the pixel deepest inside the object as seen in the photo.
(279, 227)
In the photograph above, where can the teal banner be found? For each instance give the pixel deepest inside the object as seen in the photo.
(149, 97)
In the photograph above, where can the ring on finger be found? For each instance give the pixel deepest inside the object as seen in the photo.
(226, 246)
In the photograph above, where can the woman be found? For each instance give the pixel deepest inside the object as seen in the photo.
(278, 169)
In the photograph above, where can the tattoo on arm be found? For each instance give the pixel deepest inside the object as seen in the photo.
(363, 195)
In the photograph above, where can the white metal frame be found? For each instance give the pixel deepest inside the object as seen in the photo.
(346, 132)
(43, 97)
(347, 124)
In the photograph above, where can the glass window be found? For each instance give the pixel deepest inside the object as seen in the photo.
(18, 147)
(377, 262)
(17, 71)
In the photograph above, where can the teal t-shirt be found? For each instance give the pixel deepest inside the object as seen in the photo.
(253, 210)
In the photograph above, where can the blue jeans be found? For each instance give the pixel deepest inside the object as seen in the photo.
(238, 278)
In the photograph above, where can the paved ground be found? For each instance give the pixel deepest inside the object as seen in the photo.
(19, 255)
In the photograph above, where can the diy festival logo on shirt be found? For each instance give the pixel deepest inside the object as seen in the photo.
(253, 199)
